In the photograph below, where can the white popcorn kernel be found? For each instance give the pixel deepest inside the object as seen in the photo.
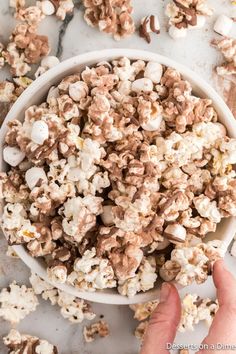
(142, 85)
(152, 124)
(177, 33)
(78, 90)
(175, 233)
(13, 156)
(33, 175)
(223, 25)
(201, 21)
(39, 132)
(107, 216)
(49, 61)
(74, 174)
(153, 72)
(47, 7)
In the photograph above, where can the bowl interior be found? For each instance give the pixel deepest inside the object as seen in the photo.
(36, 94)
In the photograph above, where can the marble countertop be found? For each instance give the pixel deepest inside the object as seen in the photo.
(67, 39)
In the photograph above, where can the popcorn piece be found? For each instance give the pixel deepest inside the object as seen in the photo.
(144, 310)
(63, 8)
(17, 343)
(207, 209)
(78, 90)
(194, 310)
(35, 175)
(149, 24)
(100, 329)
(47, 63)
(223, 25)
(193, 262)
(72, 308)
(110, 17)
(17, 302)
(227, 46)
(185, 15)
(141, 330)
(11, 252)
(91, 273)
(142, 281)
(57, 273)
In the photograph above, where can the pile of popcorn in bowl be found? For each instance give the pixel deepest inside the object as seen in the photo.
(116, 179)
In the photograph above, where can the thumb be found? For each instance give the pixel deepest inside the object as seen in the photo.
(163, 323)
(223, 327)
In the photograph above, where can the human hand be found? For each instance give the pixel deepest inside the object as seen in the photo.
(165, 319)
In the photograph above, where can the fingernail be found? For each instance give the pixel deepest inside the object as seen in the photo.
(165, 292)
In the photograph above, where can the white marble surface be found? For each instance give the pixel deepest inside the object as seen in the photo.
(195, 52)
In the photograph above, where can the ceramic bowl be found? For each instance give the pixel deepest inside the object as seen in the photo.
(36, 93)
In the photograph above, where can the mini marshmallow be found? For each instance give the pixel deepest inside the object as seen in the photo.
(223, 25)
(153, 72)
(107, 216)
(33, 175)
(78, 90)
(177, 33)
(49, 62)
(13, 156)
(201, 21)
(153, 124)
(142, 85)
(175, 233)
(47, 7)
(39, 132)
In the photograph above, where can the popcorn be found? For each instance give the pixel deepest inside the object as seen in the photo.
(142, 281)
(223, 25)
(110, 17)
(100, 329)
(227, 46)
(91, 273)
(190, 264)
(144, 310)
(63, 8)
(141, 330)
(72, 308)
(149, 24)
(17, 342)
(184, 15)
(17, 302)
(194, 310)
(47, 63)
(121, 165)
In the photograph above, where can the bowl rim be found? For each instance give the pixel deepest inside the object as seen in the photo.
(71, 64)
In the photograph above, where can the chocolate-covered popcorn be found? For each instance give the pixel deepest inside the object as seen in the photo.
(117, 178)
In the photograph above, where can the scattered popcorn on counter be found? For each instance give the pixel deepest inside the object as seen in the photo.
(118, 177)
(113, 17)
(25, 343)
(16, 302)
(98, 329)
(227, 46)
(144, 310)
(72, 308)
(184, 15)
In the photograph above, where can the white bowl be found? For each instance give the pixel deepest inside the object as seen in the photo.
(36, 93)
